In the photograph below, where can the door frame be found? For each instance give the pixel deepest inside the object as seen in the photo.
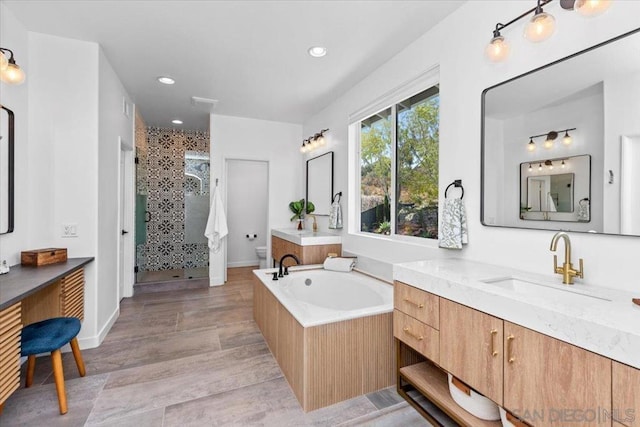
(225, 174)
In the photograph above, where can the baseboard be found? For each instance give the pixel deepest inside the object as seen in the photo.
(250, 263)
(96, 340)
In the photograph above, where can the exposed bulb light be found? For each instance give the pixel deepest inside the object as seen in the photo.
(10, 72)
(530, 168)
(531, 146)
(551, 136)
(549, 164)
(176, 121)
(166, 80)
(317, 51)
(562, 165)
(589, 8)
(498, 49)
(13, 74)
(540, 167)
(303, 148)
(567, 140)
(541, 26)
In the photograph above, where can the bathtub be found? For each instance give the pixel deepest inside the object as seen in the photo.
(316, 296)
(331, 332)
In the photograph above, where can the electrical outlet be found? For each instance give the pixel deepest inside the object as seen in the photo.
(69, 230)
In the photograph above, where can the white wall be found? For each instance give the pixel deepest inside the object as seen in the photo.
(250, 139)
(457, 45)
(14, 36)
(67, 155)
(114, 128)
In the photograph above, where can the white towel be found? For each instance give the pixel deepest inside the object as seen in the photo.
(216, 228)
(339, 264)
(453, 230)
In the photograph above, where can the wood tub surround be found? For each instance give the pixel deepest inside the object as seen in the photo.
(29, 295)
(328, 363)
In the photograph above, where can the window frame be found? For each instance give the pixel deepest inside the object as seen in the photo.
(423, 82)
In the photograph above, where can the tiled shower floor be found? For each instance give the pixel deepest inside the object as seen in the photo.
(169, 275)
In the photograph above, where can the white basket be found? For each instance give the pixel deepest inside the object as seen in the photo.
(475, 403)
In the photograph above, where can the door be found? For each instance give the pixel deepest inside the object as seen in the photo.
(629, 179)
(556, 383)
(125, 221)
(247, 210)
(471, 347)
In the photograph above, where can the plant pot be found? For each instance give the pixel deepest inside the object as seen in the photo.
(300, 224)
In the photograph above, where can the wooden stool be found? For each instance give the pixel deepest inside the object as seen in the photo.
(49, 336)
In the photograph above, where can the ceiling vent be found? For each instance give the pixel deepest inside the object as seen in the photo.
(207, 103)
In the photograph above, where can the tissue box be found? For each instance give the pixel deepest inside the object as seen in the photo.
(38, 257)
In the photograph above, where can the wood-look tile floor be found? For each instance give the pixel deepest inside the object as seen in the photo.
(188, 358)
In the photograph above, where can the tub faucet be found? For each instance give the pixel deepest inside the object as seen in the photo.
(567, 271)
(286, 269)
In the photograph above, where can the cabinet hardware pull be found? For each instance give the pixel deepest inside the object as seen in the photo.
(510, 339)
(494, 332)
(408, 332)
(418, 305)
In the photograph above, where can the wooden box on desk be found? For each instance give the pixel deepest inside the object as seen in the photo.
(38, 257)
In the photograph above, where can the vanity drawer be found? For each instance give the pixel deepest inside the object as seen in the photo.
(417, 335)
(417, 303)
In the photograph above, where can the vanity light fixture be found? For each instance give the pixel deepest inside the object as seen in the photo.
(562, 165)
(540, 167)
(530, 168)
(550, 138)
(166, 80)
(313, 142)
(10, 72)
(541, 25)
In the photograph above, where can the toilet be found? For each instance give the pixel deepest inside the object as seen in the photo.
(262, 256)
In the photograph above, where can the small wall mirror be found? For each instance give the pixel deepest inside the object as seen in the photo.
(580, 109)
(320, 182)
(551, 189)
(6, 169)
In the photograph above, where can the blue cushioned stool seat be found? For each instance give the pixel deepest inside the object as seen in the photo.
(48, 335)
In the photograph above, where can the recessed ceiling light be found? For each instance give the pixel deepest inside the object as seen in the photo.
(317, 51)
(176, 121)
(166, 80)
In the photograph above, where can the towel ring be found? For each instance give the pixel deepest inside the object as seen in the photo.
(456, 184)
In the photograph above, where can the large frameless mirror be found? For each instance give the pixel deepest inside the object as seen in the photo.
(582, 110)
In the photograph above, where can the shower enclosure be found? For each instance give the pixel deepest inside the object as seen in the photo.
(172, 205)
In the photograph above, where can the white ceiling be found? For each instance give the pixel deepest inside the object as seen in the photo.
(251, 56)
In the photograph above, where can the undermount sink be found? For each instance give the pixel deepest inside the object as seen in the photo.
(561, 293)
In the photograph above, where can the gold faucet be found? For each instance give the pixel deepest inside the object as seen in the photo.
(567, 271)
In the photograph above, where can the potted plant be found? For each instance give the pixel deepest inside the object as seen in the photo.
(297, 207)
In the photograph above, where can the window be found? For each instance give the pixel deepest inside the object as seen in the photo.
(399, 168)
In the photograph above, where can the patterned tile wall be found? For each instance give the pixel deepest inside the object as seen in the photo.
(163, 174)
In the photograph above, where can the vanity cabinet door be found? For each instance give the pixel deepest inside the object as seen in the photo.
(551, 383)
(471, 347)
(626, 394)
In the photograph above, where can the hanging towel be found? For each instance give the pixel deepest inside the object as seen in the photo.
(335, 214)
(453, 232)
(339, 264)
(216, 228)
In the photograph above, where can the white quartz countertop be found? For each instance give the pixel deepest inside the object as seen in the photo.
(595, 318)
(307, 237)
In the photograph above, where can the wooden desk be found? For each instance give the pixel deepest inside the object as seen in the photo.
(31, 294)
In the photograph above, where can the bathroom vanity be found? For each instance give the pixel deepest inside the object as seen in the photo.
(308, 246)
(551, 354)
